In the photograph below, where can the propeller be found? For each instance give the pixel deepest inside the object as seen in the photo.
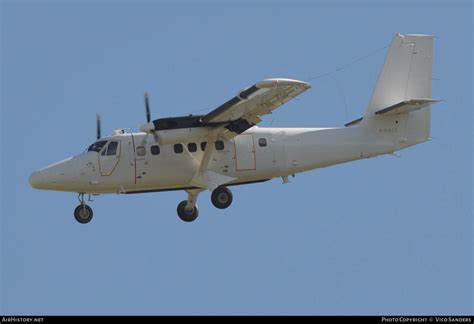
(149, 127)
(147, 108)
(97, 119)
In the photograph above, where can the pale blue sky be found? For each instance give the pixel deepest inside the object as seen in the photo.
(381, 236)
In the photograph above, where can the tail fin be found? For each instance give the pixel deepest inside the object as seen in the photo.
(404, 85)
(406, 73)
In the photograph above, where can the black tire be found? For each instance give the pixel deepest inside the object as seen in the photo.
(221, 197)
(187, 215)
(83, 214)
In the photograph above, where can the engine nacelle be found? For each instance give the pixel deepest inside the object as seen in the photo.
(182, 135)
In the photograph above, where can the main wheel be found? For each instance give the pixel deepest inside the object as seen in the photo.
(83, 214)
(221, 197)
(187, 215)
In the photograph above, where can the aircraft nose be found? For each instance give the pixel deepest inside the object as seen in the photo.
(56, 176)
(37, 179)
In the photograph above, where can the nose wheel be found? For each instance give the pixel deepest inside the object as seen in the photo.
(83, 213)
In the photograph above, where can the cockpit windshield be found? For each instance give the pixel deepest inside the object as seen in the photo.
(97, 146)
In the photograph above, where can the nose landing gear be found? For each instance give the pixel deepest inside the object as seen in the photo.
(83, 213)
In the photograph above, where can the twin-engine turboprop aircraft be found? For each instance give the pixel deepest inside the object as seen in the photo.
(225, 147)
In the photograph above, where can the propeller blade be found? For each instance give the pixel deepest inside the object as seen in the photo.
(98, 126)
(149, 127)
(147, 108)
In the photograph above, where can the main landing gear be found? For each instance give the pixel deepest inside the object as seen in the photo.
(221, 197)
(188, 210)
(83, 213)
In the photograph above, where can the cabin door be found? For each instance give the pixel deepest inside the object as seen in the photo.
(138, 152)
(244, 152)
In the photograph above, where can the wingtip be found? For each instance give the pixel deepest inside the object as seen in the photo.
(268, 83)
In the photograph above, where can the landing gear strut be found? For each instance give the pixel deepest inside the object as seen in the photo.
(83, 213)
(221, 197)
(187, 209)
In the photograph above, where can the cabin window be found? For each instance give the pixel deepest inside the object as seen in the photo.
(262, 142)
(155, 150)
(192, 147)
(141, 151)
(219, 145)
(178, 148)
(97, 146)
(203, 146)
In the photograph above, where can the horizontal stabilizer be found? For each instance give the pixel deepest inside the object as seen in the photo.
(354, 122)
(406, 106)
(400, 108)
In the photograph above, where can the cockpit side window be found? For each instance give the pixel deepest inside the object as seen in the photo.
(97, 146)
(112, 148)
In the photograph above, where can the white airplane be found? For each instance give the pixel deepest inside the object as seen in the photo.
(226, 148)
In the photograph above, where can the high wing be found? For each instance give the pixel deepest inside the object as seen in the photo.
(226, 121)
(239, 114)
(244, 110)
(236, 115)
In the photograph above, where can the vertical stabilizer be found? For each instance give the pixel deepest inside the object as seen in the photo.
(406, 76)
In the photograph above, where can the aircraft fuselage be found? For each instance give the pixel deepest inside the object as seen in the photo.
(139, 163)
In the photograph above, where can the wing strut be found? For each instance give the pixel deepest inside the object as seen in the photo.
(205, 178)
